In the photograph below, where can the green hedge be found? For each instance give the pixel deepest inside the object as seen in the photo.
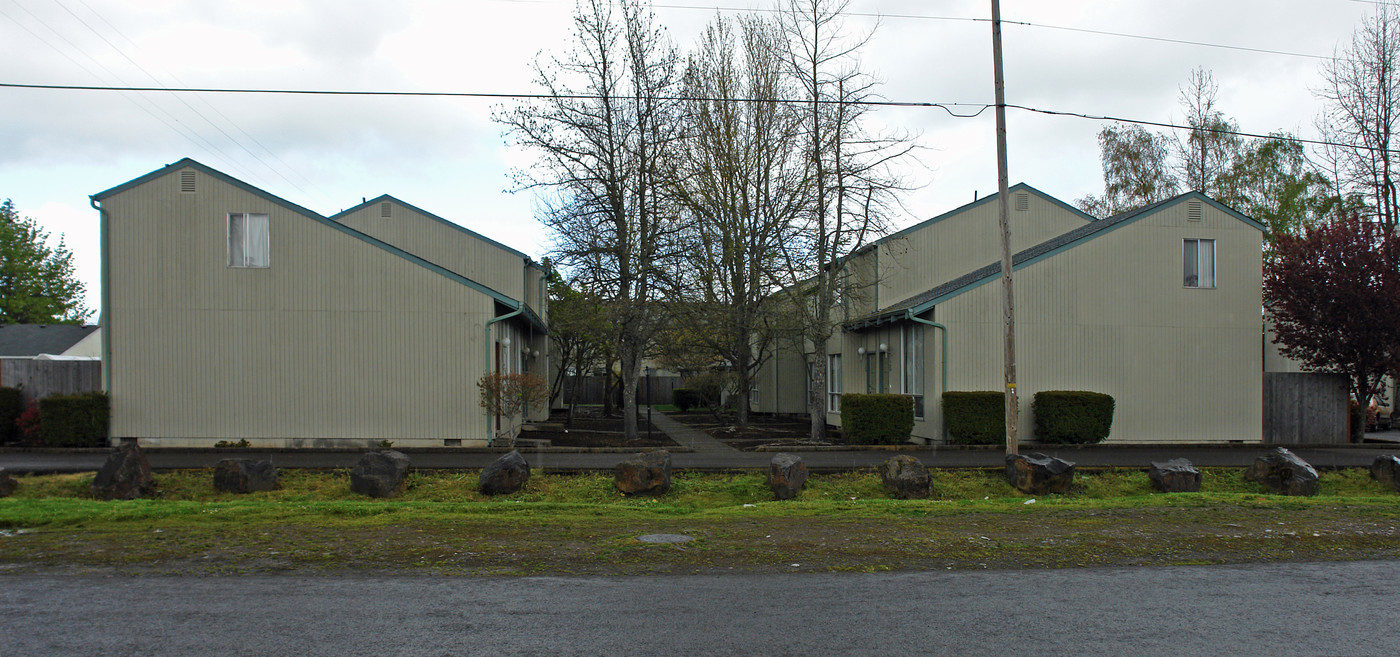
(75, 420)
(876, 419)
(975, 418)
(11, 405)
(1072, 417)
(686, 399)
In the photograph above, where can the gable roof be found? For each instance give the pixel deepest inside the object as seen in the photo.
(325, 221)
(1018, 187)
(924, 301)
(450, 224)
(28, 340)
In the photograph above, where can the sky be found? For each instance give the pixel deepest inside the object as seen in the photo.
(1124, 58)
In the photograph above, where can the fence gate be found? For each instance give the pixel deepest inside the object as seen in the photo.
(1305, 407)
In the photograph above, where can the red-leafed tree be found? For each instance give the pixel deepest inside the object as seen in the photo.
(1333, 294)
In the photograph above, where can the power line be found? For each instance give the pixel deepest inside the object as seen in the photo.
(947, 107)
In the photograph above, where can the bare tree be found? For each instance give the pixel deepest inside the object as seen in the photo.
(1136, 171)
(602, 135)
(851, 188)
(741, 183)
(1361, 90)
(1210, 147)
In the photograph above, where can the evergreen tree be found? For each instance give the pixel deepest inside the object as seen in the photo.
(38, 284)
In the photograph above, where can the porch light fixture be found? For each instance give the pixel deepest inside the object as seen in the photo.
(861, 351)
(884, 347)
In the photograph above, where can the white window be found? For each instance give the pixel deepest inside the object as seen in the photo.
(912, 379)
(248, 240)
(833, 383)
(1198, 263)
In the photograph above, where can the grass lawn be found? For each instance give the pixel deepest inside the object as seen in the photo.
(578, 524)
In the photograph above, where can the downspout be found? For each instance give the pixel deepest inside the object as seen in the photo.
(104, 316)
(942, 361)
(519, 309)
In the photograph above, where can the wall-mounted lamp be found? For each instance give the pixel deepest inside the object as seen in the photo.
(861, 351)
(505, 342)
(884, 347)
(537, 353)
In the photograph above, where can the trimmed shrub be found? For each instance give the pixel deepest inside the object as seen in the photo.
(1072, 417)
(686, 399)
(11, 405)
(876, 419)
(75, 420)
(975, 418)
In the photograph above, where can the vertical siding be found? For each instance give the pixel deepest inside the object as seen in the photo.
(1111, 315)
(443, 245)
(939, 252)
(337, 340)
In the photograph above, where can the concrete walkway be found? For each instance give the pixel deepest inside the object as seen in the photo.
(711, 454)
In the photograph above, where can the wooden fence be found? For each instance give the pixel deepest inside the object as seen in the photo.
(43, 378)
(1305, 407)
(650, 390)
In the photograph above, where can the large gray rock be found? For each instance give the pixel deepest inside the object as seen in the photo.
(7, 484)
(1386, 469)
(380, 474)
(906, 477)
(244, 476)
(125, 476)
(1175, 476)
(648, 473)
(1281, 471)
(1038, 474)
(786, 474)
(505, 475)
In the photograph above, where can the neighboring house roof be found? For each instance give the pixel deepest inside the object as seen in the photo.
(922, 302)
(29, 340)
(214, 173)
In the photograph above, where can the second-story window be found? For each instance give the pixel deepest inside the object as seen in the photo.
(248, 240)
(1198, 263)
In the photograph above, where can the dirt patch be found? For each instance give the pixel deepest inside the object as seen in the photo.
(762, 432)
(594, 431)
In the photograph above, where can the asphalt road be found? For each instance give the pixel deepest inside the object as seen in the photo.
(1332, 609)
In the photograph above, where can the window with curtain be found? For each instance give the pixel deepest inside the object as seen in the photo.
(1198, 263)
(249, 240)
(912, 381)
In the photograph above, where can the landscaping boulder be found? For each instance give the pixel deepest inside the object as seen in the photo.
(1386, 469)
(648, 473)
(786, 474)
(906, 477)
(380, 474)
(505, 475)
(125, 476)
(1175, 476)
(1283, 472)
(244, 476)
(1038, 474)
(7, 484)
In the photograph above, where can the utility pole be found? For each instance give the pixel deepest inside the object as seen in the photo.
(1004, 219)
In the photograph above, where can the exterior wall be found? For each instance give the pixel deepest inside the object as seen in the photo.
(1111, 315)
(448, 246)
(90, 346)
(338, 343)
(938, 251)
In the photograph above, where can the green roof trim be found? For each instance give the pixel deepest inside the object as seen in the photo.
(446, 222)
(922, 303)
(223, 177)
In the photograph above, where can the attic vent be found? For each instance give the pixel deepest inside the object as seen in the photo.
(386, 209)
(1023, 202)
(187, 181)
(1193, 211)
